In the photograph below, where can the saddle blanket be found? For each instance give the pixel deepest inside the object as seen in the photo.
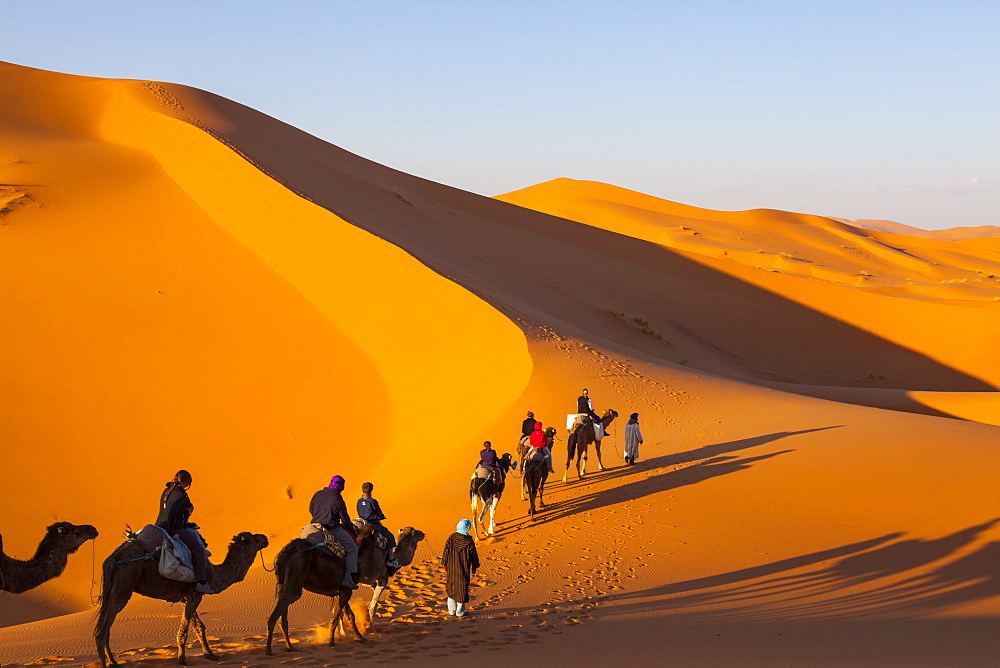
(573, 419)
(316, 534)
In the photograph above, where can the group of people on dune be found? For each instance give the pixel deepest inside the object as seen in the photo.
(539, 441)
(536, 442)
(329, 514)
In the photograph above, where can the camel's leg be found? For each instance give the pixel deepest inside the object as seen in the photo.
(376, 595)
(532, 491)
(475, 510)
(541, 490)
(495, 501)
(349, 613)
(338, 603)
(191, 602)
(597, 449)
(199, 629)
(288, 595)
(111, 605)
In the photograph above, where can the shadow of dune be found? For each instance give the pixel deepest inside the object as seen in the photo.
(573, 277)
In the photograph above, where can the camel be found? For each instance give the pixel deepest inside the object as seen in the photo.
(522, 450)
(582, 435)
(131, 569)
(304, 565)
(488, 492)
(374, 572)
(536, 472)
(61, 540)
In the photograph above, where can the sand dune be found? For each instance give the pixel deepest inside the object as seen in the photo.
(192, 283)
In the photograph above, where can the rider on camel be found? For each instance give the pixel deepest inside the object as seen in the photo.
(586, 407)
(496, 465)
(538, 442)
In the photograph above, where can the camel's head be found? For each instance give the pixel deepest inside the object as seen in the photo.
(610, 413)
(253, 541)
(407, 544)
(71, 535)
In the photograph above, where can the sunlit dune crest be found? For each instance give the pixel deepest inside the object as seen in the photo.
(193, 284)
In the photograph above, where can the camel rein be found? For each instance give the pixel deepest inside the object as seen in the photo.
(263, 565)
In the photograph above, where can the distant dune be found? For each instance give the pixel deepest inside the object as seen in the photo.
(191, 283)
(948, 234)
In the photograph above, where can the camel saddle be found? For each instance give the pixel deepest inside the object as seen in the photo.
(380, 541)
(575, 419)
(489, 472)
(534, 455)
(317, 534)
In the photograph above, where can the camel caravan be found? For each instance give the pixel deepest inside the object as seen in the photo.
(534, 459)
(333, 555)
(169, 560)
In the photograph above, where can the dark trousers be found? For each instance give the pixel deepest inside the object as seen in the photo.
(199, 559)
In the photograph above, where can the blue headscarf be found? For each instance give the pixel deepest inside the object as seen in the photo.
(463, 527)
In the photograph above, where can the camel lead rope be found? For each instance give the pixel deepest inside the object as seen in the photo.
(93, 561)
(263, 565)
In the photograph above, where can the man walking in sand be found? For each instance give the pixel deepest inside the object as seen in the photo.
(461, 561)
(633, 439)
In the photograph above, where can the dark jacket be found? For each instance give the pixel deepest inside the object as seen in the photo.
(328, 508)
(527, 426)
(461, 560)
(175, 509)
(369, 510)
(488, 457)
(583, 404)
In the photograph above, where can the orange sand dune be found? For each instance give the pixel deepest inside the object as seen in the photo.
(947, 234)
(192, 283)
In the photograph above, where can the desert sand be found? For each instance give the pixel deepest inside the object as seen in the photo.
(193, 284)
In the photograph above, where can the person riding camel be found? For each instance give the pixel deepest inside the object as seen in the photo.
(371, 512)
(329, 511)
(174, 517)
(496, 466)
(488, 459)
(527, 426)
(585, 406)
(539, 443)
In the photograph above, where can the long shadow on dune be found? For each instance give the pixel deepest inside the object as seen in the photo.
(880, 576)
(644, 479)
(567, 275)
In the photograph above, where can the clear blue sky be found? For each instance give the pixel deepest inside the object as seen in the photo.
(857, 109)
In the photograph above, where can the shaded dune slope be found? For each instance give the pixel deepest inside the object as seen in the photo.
(549, 270)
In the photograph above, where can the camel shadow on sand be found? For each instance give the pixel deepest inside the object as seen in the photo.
(643, 479)
(887, 576)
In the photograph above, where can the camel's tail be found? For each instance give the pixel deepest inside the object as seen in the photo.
(107, 581)
(281, 561)
(571, 443)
